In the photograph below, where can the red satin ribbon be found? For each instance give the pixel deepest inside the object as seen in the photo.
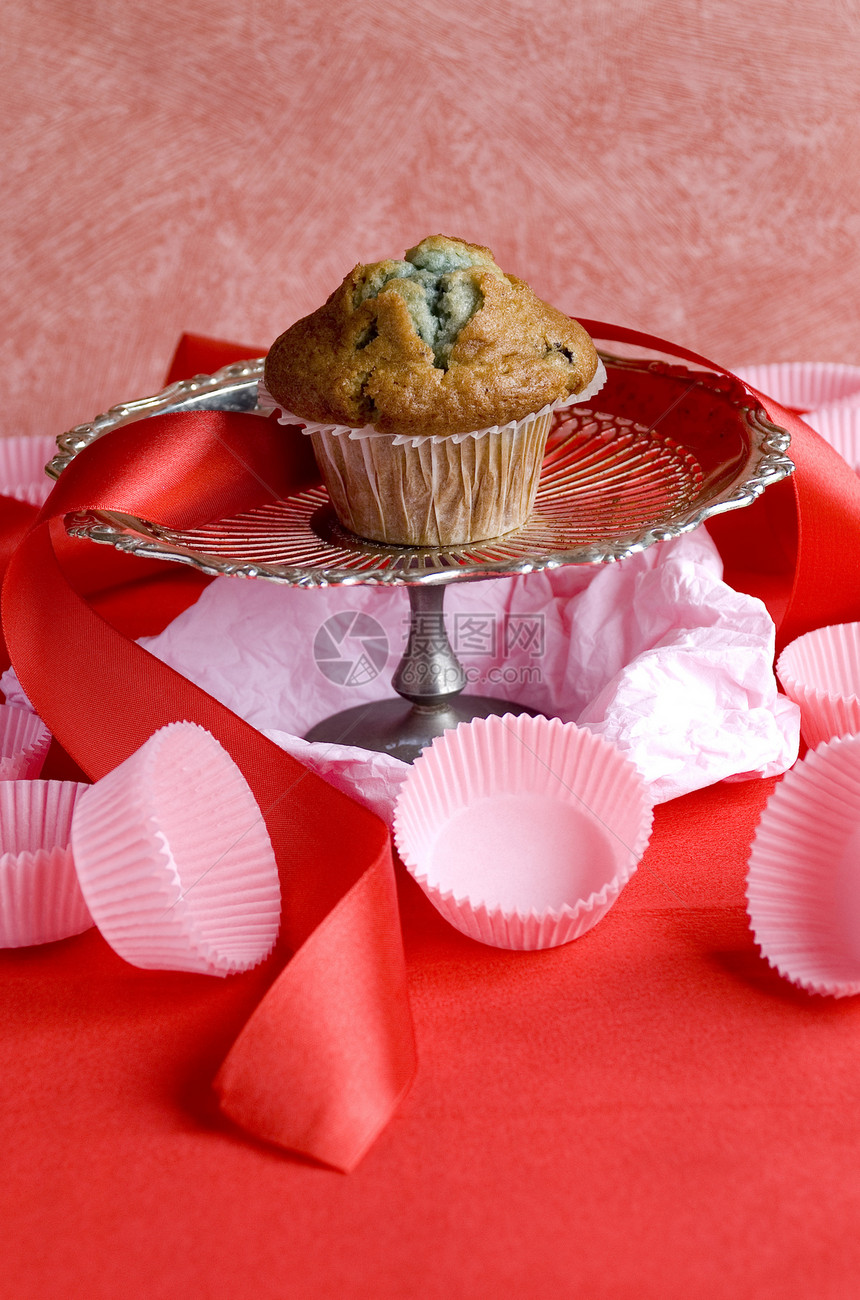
(325, 1058)
(16, 517)
(328, 1053)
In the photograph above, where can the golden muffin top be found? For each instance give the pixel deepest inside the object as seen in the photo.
(443, 342)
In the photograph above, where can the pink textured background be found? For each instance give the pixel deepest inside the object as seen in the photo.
(689, 169)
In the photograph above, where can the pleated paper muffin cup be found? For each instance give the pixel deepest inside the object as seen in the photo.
(40, 898)
(24, 742)
(22, 468)
(174, 858)
(441, 493)
(803, 879)
(839, 425)
(820, 671)
(435, 490)
(522, 831)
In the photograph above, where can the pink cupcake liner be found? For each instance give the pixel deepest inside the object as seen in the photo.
(804, 385)
(40, 898)
(174, 858)
(803, 883)
(820, 671)
(24, 743)
(22, 468)
(522, 831)
(840, 426)
(828, 394)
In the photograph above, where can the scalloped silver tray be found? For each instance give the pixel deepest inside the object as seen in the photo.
(668, 448)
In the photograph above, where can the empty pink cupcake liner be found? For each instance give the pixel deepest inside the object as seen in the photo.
(40, 898)
(820, 671)
(22, 468)
(828, 394)
(522, 831)
(839, 425)
(24, 743)
(804, 385)
(803, 882)
(174, 858)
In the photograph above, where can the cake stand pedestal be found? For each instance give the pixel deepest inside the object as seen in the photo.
(668, 448)
(429, 679)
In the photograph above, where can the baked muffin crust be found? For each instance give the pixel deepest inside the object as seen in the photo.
(440, 343)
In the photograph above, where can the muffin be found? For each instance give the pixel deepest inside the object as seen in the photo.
(427, 386)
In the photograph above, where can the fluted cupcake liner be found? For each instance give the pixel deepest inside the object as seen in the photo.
(804, 385)
(839, 424)
(820, 671)
(174, 858)
(434, 490)
(40, 898)
(438, 493)
(803, 880)
(828, 394)
(24, 743)
(522, 831)
(22, 468)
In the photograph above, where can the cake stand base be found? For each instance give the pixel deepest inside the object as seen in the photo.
(403, 729)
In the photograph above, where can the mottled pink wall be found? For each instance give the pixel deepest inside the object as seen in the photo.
(687, 168)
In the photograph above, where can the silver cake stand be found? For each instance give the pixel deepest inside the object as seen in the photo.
(664, 449)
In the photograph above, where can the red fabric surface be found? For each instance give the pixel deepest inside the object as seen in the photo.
(648, 1111)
